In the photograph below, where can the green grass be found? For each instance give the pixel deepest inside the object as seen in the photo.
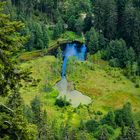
(69, 35)
(108, 88)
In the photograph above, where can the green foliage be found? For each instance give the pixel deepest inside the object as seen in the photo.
(58, 29)
(117, 53)
(37, 34)
(104, 132)
(109, 119)
(36, 108)
(114, 62)
(71, 23)
(13, 123)
(124, 115)
(88, 22)
(92, 41)
(92, 125)
(132, 132)
(41, 121)
(105, 17)
(14, 126)
(14, 101)
(59, 54)
(79, 25)
(129, 133)
(45, 37)
(103, 21)
(62, 102)
(11, 41)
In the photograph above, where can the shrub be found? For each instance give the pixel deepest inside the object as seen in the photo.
(104, 132)
(99, 113)
(92, 125)
(61, 102)
(109, 119)
(137, 85)
(48, 88)
(114, 62)
(124, 116)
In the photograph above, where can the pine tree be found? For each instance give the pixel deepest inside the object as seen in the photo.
(11, 41)
(109, 119)
(121, 5)
(105, 17)
(58, 30)
(45, 37)
(13, 124)
(88, 21)
(132, 132)
(103, 134)
(123, 117)
(39, 44)
(71, 23)
(79, 25)
(92, 41)
(14, 101)
(117, 53)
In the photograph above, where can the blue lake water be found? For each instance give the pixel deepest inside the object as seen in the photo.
(70, 50)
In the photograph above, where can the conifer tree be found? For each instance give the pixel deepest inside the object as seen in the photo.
(11, 41)
(13, 124)
(92, 40)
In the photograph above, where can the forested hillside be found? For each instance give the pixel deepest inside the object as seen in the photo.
(92, 47)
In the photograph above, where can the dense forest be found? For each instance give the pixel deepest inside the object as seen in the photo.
(110, 75)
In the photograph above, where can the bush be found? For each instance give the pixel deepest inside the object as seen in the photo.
(124, 116)
(61, 102)
(137, 85)
(114, 62)
(48, 88)
(99, 113)
(92, 125)
(104, 132)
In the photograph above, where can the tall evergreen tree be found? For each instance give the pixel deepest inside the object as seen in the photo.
(105, 17)
(13, 124)
(121, 5)
(92, 41)
(79, 25)
(45, 37)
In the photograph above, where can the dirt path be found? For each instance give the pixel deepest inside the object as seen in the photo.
(75, 97)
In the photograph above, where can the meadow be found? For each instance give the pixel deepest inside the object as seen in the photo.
(107, 86)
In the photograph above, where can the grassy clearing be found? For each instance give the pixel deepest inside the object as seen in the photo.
(107, 86)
